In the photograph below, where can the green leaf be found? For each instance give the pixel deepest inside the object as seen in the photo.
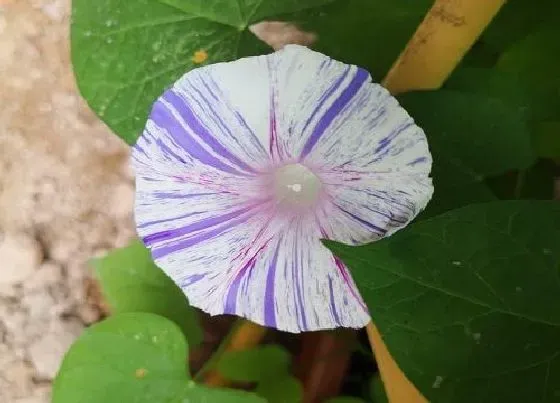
(468, 302)
(283, 389)
(368, 33)
(124, 57)
(491, 82)
(535, 183)
(471, 136)
(133, 357)
(517, 19)
(535, 61)
(377, 390)
(547, 139)
(131, 282)
(481, 135)
(256, 364)
(345, 399)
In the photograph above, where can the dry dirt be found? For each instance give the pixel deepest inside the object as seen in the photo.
(66, 194)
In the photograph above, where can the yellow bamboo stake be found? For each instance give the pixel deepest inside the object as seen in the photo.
(448, 31)
(399, 389)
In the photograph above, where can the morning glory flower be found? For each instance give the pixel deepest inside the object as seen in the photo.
(243, 167)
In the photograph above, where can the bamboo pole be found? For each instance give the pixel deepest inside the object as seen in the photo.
(448, 31)
(399, 389)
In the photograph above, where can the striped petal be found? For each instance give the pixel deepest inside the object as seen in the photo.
(244, 166)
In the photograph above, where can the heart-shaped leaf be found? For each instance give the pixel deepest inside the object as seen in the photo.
(136, 358)
(468, 302)
(131, 282)
(282, 389)
(255, 364)
(124, 56)
(466, 132)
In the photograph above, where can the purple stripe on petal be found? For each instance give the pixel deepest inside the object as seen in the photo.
(148, 223)
(163, 118)
(297, 267)
(332, 302)
(384, 142)
(326, 96)
(197, 226)
(139, 149)
(374, 227)
(168, 195)
(169, 151)
(193, 279)
(417, 161)
(269, 297)
(187, 243)
(185, 111)
(231, 300)
(349, 92)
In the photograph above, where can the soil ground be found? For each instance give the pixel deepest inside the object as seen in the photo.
(66, 194)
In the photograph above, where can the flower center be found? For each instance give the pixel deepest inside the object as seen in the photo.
(296, 185)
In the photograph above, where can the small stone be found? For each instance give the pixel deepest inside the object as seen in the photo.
(122, 200)
(38, 304)
(8, 291)
(47, 352)
(20, 254)
(49, 273)
(20, 377)
(88, 314)
(33, 399)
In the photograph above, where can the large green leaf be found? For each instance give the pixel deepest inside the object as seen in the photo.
(547, 140)
(469, 302)
(535, 62)
(479, 134)
(131, 282)
(136, 358)
(125, 55)
(377, 390)
(255, 364)
(282, 389)
(517, 19)
(471, 136)
(534, 183)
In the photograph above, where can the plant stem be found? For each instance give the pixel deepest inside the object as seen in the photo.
(448, 31)
(399, 389)
(242, 336)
